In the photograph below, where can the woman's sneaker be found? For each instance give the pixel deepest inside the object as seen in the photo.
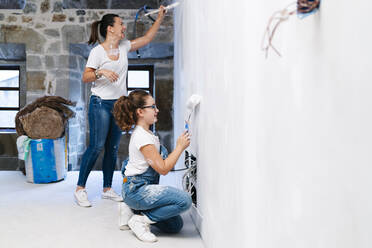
(140, 225)
(81, 198)
(111, 195)
(125, 213)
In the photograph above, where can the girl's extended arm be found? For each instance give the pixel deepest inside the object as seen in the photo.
(150, 34)
(154, 159)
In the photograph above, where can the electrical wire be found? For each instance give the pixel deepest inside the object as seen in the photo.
(142, 9)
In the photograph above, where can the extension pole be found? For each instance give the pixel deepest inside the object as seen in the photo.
(170, 6)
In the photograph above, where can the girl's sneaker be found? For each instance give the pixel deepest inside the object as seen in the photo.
(140, 225)
(125, 213)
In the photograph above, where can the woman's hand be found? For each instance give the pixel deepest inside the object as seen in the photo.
(184, 140)
(161, 13)
(110, 75)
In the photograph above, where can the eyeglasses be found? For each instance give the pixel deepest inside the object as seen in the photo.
(150, 106)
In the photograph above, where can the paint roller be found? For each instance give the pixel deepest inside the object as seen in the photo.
(191, 104)
(170, 6)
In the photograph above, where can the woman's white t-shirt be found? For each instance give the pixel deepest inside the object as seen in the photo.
(137, 163)
(98, 59)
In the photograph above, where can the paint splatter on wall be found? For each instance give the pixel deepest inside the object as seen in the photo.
(303, 8)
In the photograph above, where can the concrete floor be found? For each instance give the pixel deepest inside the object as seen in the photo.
(45, 215)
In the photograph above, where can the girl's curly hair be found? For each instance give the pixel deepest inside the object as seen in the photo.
(125, 108)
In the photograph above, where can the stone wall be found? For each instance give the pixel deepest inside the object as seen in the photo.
(52, 35)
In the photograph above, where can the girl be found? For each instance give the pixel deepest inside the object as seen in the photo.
(107, 67)
(156, 204)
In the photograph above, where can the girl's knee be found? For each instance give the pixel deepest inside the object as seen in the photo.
(172, 225)
(186, 201)
(176, 226)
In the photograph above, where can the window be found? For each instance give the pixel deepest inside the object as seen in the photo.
(9, 96)
(141, 77)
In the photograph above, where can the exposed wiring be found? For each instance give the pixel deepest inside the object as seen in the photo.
(140, 10)
(278, 17)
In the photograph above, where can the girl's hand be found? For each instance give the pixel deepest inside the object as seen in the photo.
(184, 140)
(110, 75)
(161, 13)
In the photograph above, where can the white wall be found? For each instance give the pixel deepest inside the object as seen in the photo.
(283, 144)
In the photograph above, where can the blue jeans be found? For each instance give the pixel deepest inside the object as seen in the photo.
(104, 133)
(161, 204)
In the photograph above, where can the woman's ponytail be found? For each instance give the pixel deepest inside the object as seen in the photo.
(94, 33)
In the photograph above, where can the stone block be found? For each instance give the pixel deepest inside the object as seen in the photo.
(113, 4)
(1, 16)
(57, 7)
(82, 63)
(54, 47)
(40, 25)
(12, 51)
(57, 61)
(81, 148)
(80, 12)
(12, 4)
(33, 95)
(72, 34)
(12, 18)
(60, 73)
(27, 19)
(84, 4)
(72, 162)
(44, 6)
(75, 75)
(133, 4)
(34, 62)
(75, 90)
(81, 49)
(30, 8)
(141, 29)
(73, 62)
(14, 34)
(62, 88)
(59, 18)
(35, 80)
(52, 32)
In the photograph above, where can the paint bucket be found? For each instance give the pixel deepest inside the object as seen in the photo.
(46, 161)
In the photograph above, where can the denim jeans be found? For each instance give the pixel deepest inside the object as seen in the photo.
(161, 204)
(103, 133)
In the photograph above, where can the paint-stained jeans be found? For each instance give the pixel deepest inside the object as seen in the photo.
(103, 133)
(162, 204)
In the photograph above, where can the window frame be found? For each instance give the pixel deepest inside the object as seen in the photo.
(150, 69)
(151, 88)
(11, 67)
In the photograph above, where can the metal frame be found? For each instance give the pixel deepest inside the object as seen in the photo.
(149, 68)
(12, 67)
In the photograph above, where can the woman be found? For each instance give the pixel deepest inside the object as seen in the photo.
(156, 204)
(107, 68)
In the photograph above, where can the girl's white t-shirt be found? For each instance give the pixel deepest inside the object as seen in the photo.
(98, 59)
(137, 163)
